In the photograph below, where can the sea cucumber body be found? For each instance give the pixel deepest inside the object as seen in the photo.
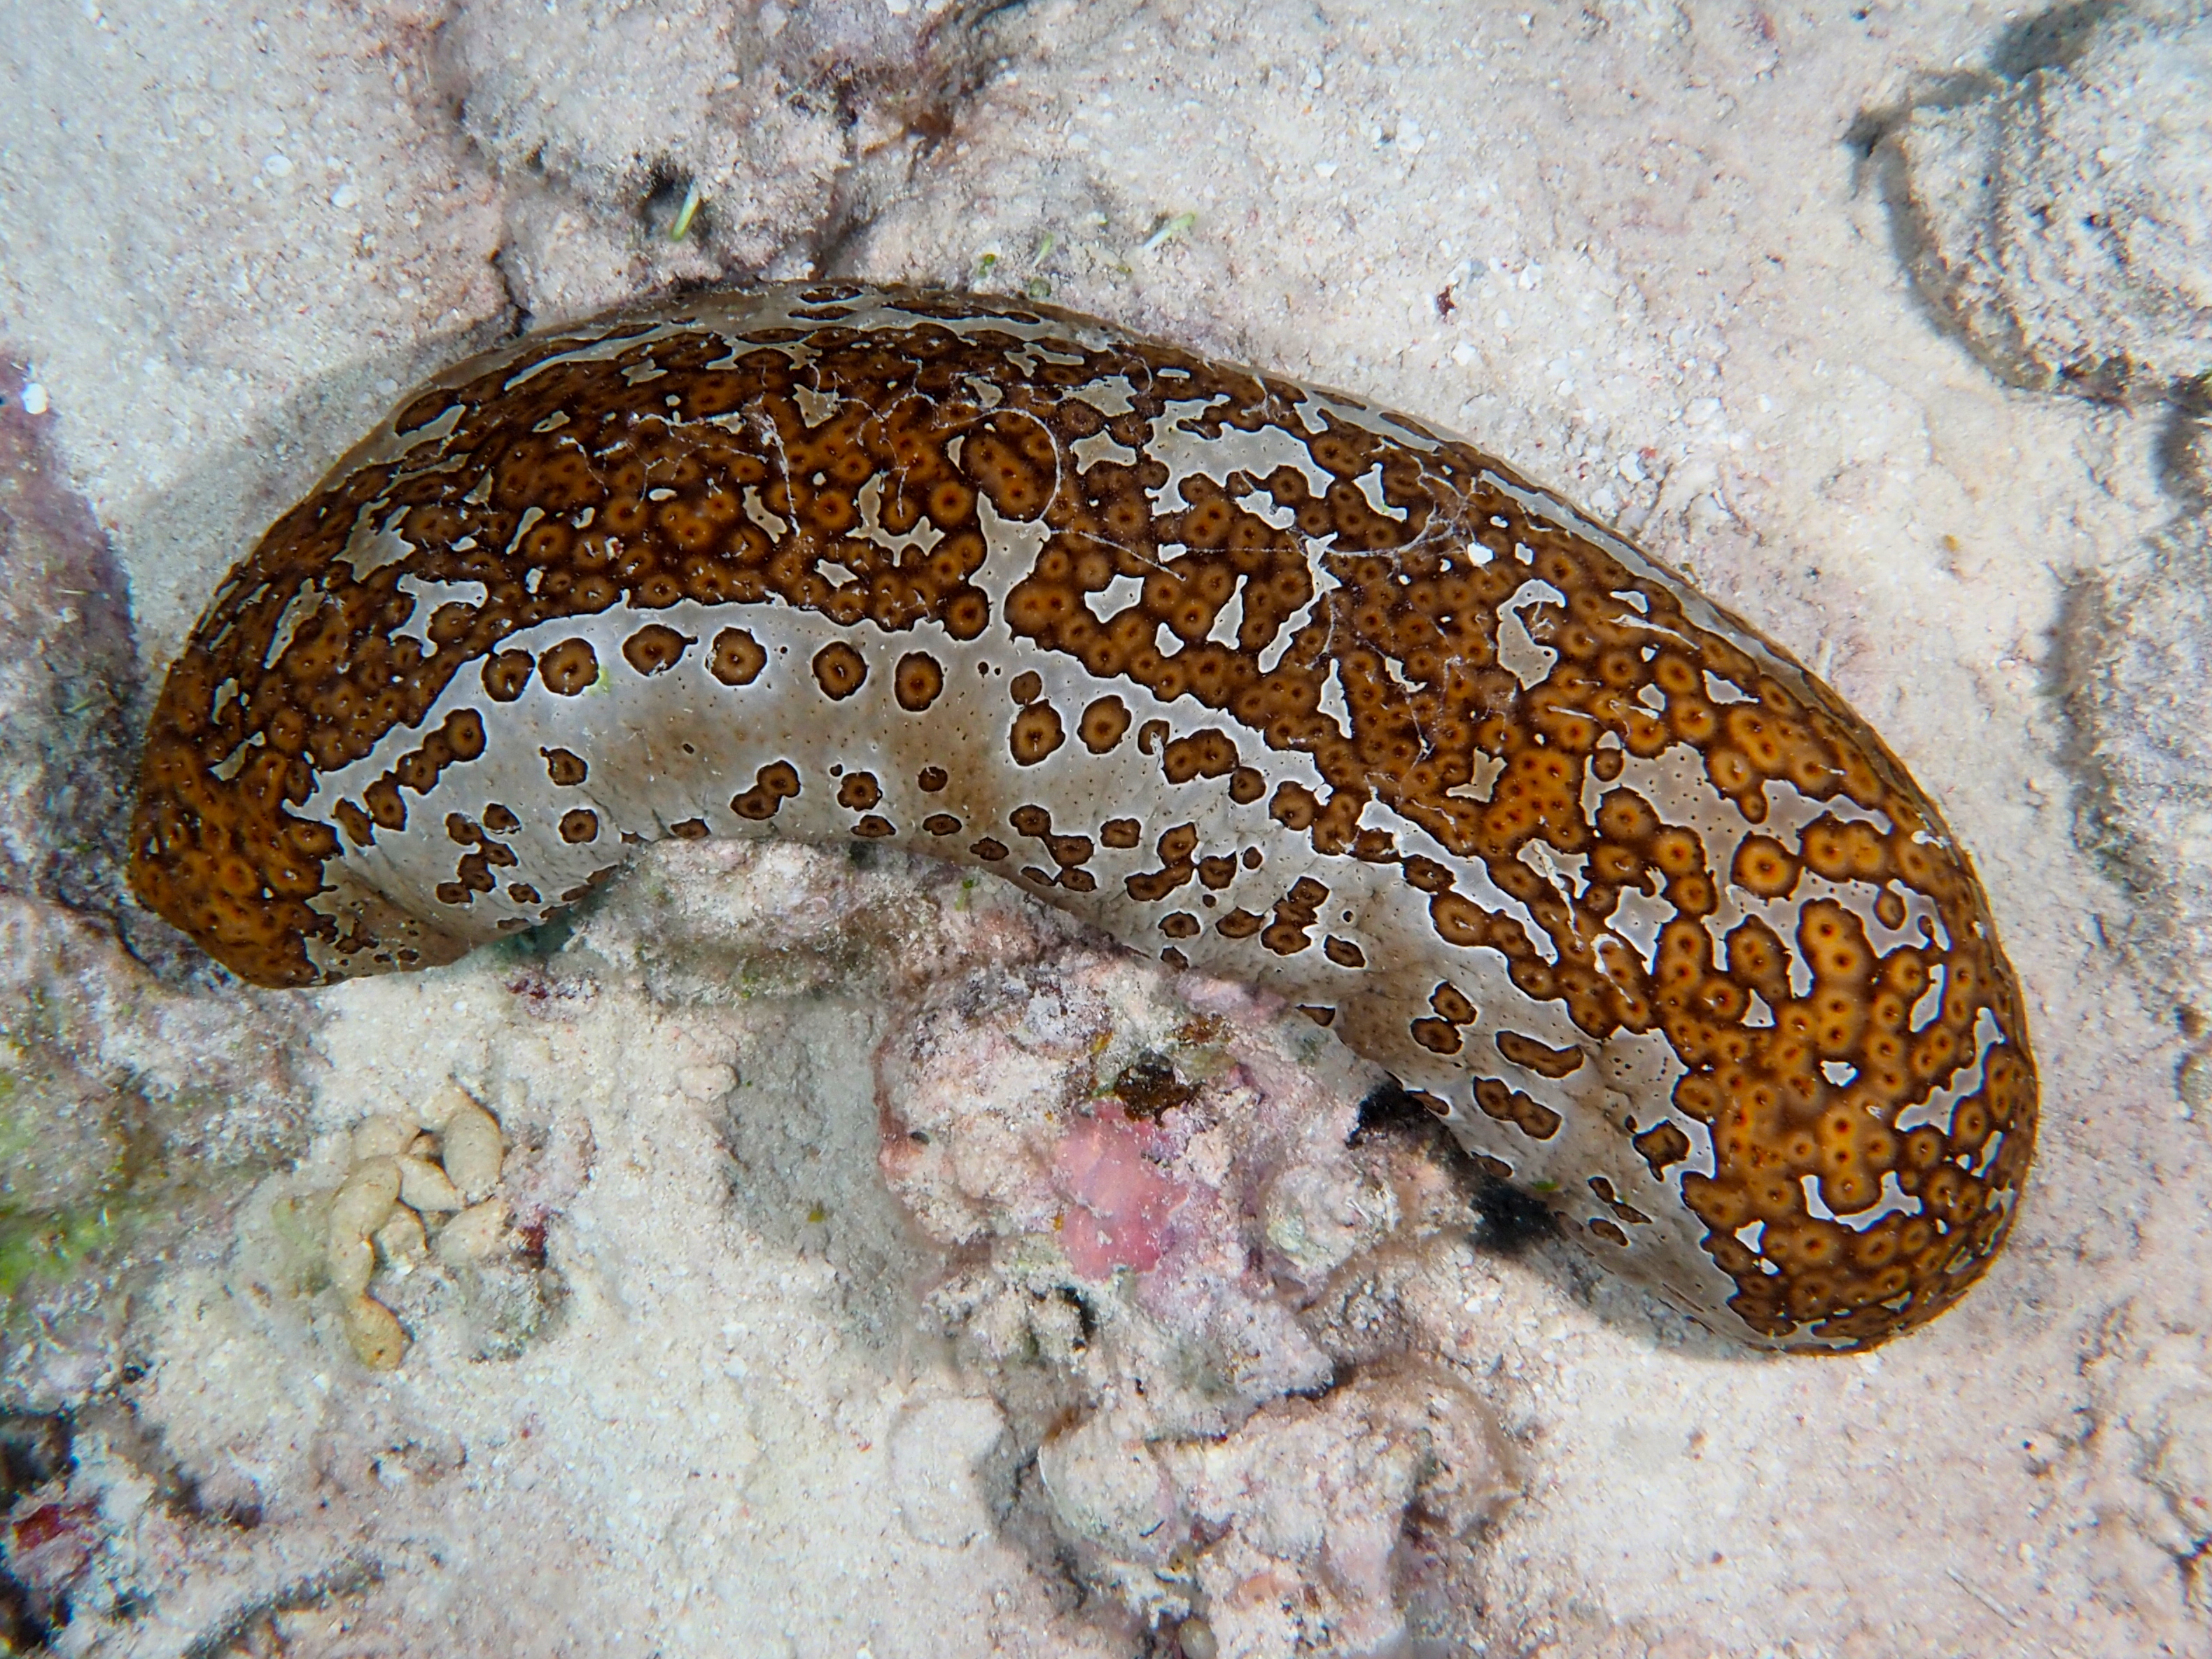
(1258, 679)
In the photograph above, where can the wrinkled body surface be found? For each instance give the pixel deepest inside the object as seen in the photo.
(1258, 679)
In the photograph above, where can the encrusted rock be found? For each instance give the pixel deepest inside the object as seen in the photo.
(2060, 219)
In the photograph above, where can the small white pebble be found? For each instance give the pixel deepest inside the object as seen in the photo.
(1197, 1639)
(351, 1260)
(345, 196)
(400, 1242)
(364, 1201)
(2194, 1083)
(378, 1341)
(473, 1152)
(33, 399)
(474, 1234)
(385, 1135)
(425, 1187)
(278, 165)
(451, 1098)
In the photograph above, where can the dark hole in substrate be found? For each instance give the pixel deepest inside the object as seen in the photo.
(28, 1622)
(35, 1449)
(1150, 1085)
(1085, 1321)
(1388, 1106)
(668, 188)
(1390, 1111)
(1508, 1220)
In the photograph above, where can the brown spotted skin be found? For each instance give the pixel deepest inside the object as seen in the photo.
(1260, 679)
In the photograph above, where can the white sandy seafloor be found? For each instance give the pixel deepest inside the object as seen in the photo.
(792, 1349)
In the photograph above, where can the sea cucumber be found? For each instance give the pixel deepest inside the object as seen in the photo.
(1257, 678)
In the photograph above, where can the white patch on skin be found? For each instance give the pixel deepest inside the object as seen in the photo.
(1929, 1004)
(1332, 701)
(1517, 654)
(1100, 447)
(1478, 789)
(1892, 1200)
(1964, 1082)
(1261, 505)
(1636, 920)
(758, 511)
(1325, 582)
(230, 765)
(372, 546)
(869, 501)
(429, 595)
(1186, 453)
(1117, 596)
(1370, 486)
(1789, 811)
(1230, 618)
(985, 395)
(304, 602)
(1564, 871)
(1112, 396)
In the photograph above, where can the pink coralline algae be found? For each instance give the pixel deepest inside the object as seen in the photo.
(1121, 1208)
(1148, 1197)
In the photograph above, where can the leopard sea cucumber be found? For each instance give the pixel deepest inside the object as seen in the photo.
(1259, 679)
